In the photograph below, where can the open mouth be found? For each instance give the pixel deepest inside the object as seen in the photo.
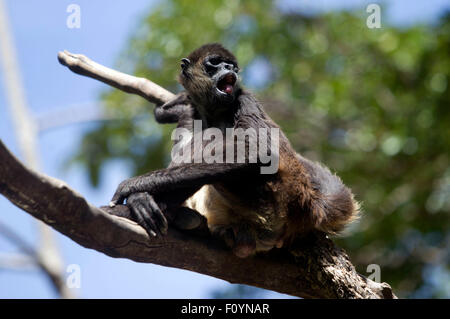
(226, 83)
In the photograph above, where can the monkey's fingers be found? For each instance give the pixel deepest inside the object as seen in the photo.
(148, 224)
(159, 217)
(118, 198)
(147, 213)
(124, 189)
(141, 217)
(116, 201)
(148, 209)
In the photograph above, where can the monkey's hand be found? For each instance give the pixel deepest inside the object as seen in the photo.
(174, 110)
(146, 212)
(143, 208)
(124, 189)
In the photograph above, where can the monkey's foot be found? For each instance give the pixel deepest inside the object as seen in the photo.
(238, 237)
(185, 218)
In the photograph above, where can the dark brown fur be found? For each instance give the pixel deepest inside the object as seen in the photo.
(300, 197)
(250, 211)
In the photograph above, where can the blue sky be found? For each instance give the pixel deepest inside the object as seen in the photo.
(39, 30)
(402, 13)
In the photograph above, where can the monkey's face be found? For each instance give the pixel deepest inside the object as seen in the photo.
(211, 80)
(223, 74)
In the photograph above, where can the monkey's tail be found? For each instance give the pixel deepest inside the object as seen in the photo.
(333, 206)
(333, 212)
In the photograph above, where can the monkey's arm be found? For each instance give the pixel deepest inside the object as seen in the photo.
(174, 110)
(166, 189)
(142, 206)
(183, 179)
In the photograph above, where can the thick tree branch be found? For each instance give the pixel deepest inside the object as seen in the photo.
(314, 268)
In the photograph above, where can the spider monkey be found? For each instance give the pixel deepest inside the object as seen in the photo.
(250, 211)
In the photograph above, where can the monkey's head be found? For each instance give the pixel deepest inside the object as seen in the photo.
(209, 75)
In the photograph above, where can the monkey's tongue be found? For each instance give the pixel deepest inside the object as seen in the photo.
(226, 84)
(228, 88)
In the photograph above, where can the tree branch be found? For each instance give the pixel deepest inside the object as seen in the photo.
(316, 268)
(82, 65)
(313, 268)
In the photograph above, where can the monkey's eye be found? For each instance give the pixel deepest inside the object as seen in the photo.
(212, 64)
(215, 61)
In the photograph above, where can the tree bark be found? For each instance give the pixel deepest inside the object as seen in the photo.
(312, 268)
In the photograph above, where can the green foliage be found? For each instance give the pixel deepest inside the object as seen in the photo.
(372, 104)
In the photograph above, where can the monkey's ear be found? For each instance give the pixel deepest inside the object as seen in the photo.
(185, 63)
